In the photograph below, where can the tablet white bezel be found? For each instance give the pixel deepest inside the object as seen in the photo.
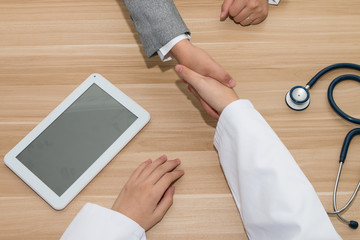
(60, 202)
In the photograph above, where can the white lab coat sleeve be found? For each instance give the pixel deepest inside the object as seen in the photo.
(273, 196)
(94, 222)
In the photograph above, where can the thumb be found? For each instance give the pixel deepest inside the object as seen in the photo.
(219, 74)
(225, 8)
(188, 75)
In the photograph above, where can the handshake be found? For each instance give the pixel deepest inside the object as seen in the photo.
(206, 79)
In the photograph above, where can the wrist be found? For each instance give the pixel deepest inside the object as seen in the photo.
(181, 50)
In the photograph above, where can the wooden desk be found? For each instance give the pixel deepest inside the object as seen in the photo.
(48, 47)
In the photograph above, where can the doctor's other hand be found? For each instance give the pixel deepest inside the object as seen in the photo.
(208, 90)
(148, 193)
(199, 61)
(245, 12)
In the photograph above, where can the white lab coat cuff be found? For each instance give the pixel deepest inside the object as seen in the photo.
(164, 52)
(226, 113)
(94, 222)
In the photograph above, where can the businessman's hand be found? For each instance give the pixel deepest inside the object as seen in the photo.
(245, 12)
(199, 61)
(206, 89)
(148, 194)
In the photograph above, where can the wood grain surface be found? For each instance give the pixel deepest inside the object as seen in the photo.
(48, 47)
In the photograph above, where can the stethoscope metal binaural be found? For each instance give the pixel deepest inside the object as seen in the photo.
(298, 98)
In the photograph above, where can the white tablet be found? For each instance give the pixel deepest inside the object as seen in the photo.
(62, 154)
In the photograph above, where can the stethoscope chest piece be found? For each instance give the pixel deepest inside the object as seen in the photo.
(298, 98)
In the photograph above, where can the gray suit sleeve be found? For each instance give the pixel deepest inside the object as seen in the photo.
(157, 22)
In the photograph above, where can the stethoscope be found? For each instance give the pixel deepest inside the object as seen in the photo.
(298, 98)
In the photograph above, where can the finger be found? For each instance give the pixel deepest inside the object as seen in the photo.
(225, 8)
(189, 76)
(165, 203)
(139, 169)
(160, 171)
(215, 94)
(197, 81)
(193, 78)
(247, 21)
(257, 21)
(260, 18)
(188, 88)
(151, 167)
(166, 180)
(219, 74)
(215, 71)
(236, 7)
(244, 16)
(208, 109)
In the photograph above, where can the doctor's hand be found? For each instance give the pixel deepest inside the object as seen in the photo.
(199, 61)
(206, 89)
(148, 194)
(245, 12)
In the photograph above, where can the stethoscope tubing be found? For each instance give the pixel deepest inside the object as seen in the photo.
(338, 211)
(332, 67)
(331, 96)
(349, 136)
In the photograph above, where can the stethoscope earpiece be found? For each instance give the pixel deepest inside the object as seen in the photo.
(353, 224)
(298, 98)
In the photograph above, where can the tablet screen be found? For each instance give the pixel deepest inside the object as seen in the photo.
(76, 139)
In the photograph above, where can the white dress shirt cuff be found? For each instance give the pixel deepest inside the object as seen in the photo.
(164, 52)
(274, 2)
(94, 222)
